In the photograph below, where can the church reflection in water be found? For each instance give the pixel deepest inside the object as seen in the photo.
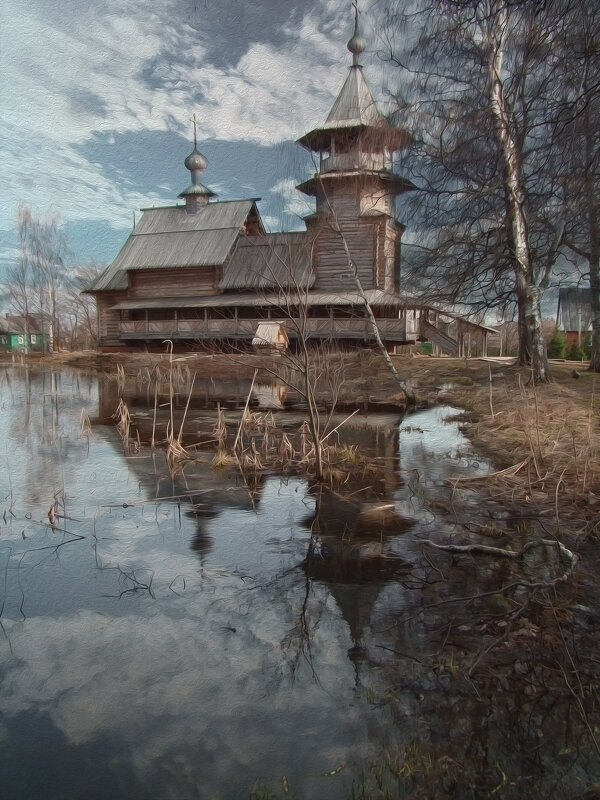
(349, 531)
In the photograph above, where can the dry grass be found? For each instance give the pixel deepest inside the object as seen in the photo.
(550, 435)
(222, 459)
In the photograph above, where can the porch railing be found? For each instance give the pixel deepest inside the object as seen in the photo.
(246, 328)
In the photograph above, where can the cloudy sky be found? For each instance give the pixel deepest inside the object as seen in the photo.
(97, 100)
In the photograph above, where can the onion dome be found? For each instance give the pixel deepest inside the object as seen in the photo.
(356, 44)
(196, 193)
(195, 161)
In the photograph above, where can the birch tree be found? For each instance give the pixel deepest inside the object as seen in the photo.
(482, 93)
(20, 274)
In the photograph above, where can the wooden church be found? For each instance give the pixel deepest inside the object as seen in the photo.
(204, 273)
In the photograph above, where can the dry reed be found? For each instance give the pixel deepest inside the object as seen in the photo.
(85, 425)
(123, 419)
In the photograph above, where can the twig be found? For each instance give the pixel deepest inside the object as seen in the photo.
(399, 653)
(343, 422)
(576, 696)
(239, 433)
(495, 642)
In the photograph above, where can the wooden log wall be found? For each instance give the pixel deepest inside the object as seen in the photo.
(376, 200)
(108, 320)
(373, 238)
(393, 235)
(342, 201)
(149, 283)
(331, 263)
(374, 244)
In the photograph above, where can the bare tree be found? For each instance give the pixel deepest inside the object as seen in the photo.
(78, 310)
(35, 282)
(304, 367)
(484, 96)
(19, 276)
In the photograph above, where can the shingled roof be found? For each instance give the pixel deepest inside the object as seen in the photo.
(167, 238)
(355, 108)
(278, 260)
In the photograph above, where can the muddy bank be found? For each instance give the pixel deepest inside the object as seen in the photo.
(362, 376)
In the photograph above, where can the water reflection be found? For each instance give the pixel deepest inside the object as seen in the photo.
(270, 395)
(187, 635)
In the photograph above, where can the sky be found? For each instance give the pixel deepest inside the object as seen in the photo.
(97, 98)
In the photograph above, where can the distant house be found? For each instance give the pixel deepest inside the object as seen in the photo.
(22, 334)
(574, 314)
(206, 273)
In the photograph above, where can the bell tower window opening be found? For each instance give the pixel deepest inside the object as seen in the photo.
(347, 143)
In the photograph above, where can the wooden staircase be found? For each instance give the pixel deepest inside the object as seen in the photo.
(446, 343)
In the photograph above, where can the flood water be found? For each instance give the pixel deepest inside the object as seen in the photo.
(197, 634)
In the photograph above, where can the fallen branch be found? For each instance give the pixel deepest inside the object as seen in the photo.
(571, 557)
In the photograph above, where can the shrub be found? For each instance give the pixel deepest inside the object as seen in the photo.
(557, 346)
(576, 353)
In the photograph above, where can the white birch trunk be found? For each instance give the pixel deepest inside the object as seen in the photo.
(528, 295)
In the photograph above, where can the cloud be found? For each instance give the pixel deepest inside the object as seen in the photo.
(75, 72)
(293, 201)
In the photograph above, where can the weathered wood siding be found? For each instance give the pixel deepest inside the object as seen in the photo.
(354, 197)
(377, 200)
(393, 238)
(108, 320)
(356, 326)
(363, 208)
(342, 200)
(331, 263)
(148, 283)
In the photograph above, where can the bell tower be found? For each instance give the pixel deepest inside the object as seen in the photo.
(355, 185)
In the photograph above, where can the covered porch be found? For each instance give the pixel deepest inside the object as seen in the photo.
(318, 316)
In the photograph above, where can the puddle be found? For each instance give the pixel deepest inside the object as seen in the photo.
(198, 634)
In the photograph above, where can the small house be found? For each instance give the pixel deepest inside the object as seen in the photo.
(574, 314)
(22, 334)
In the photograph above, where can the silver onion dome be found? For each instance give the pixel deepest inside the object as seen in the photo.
(195, 161)
(356, 44)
